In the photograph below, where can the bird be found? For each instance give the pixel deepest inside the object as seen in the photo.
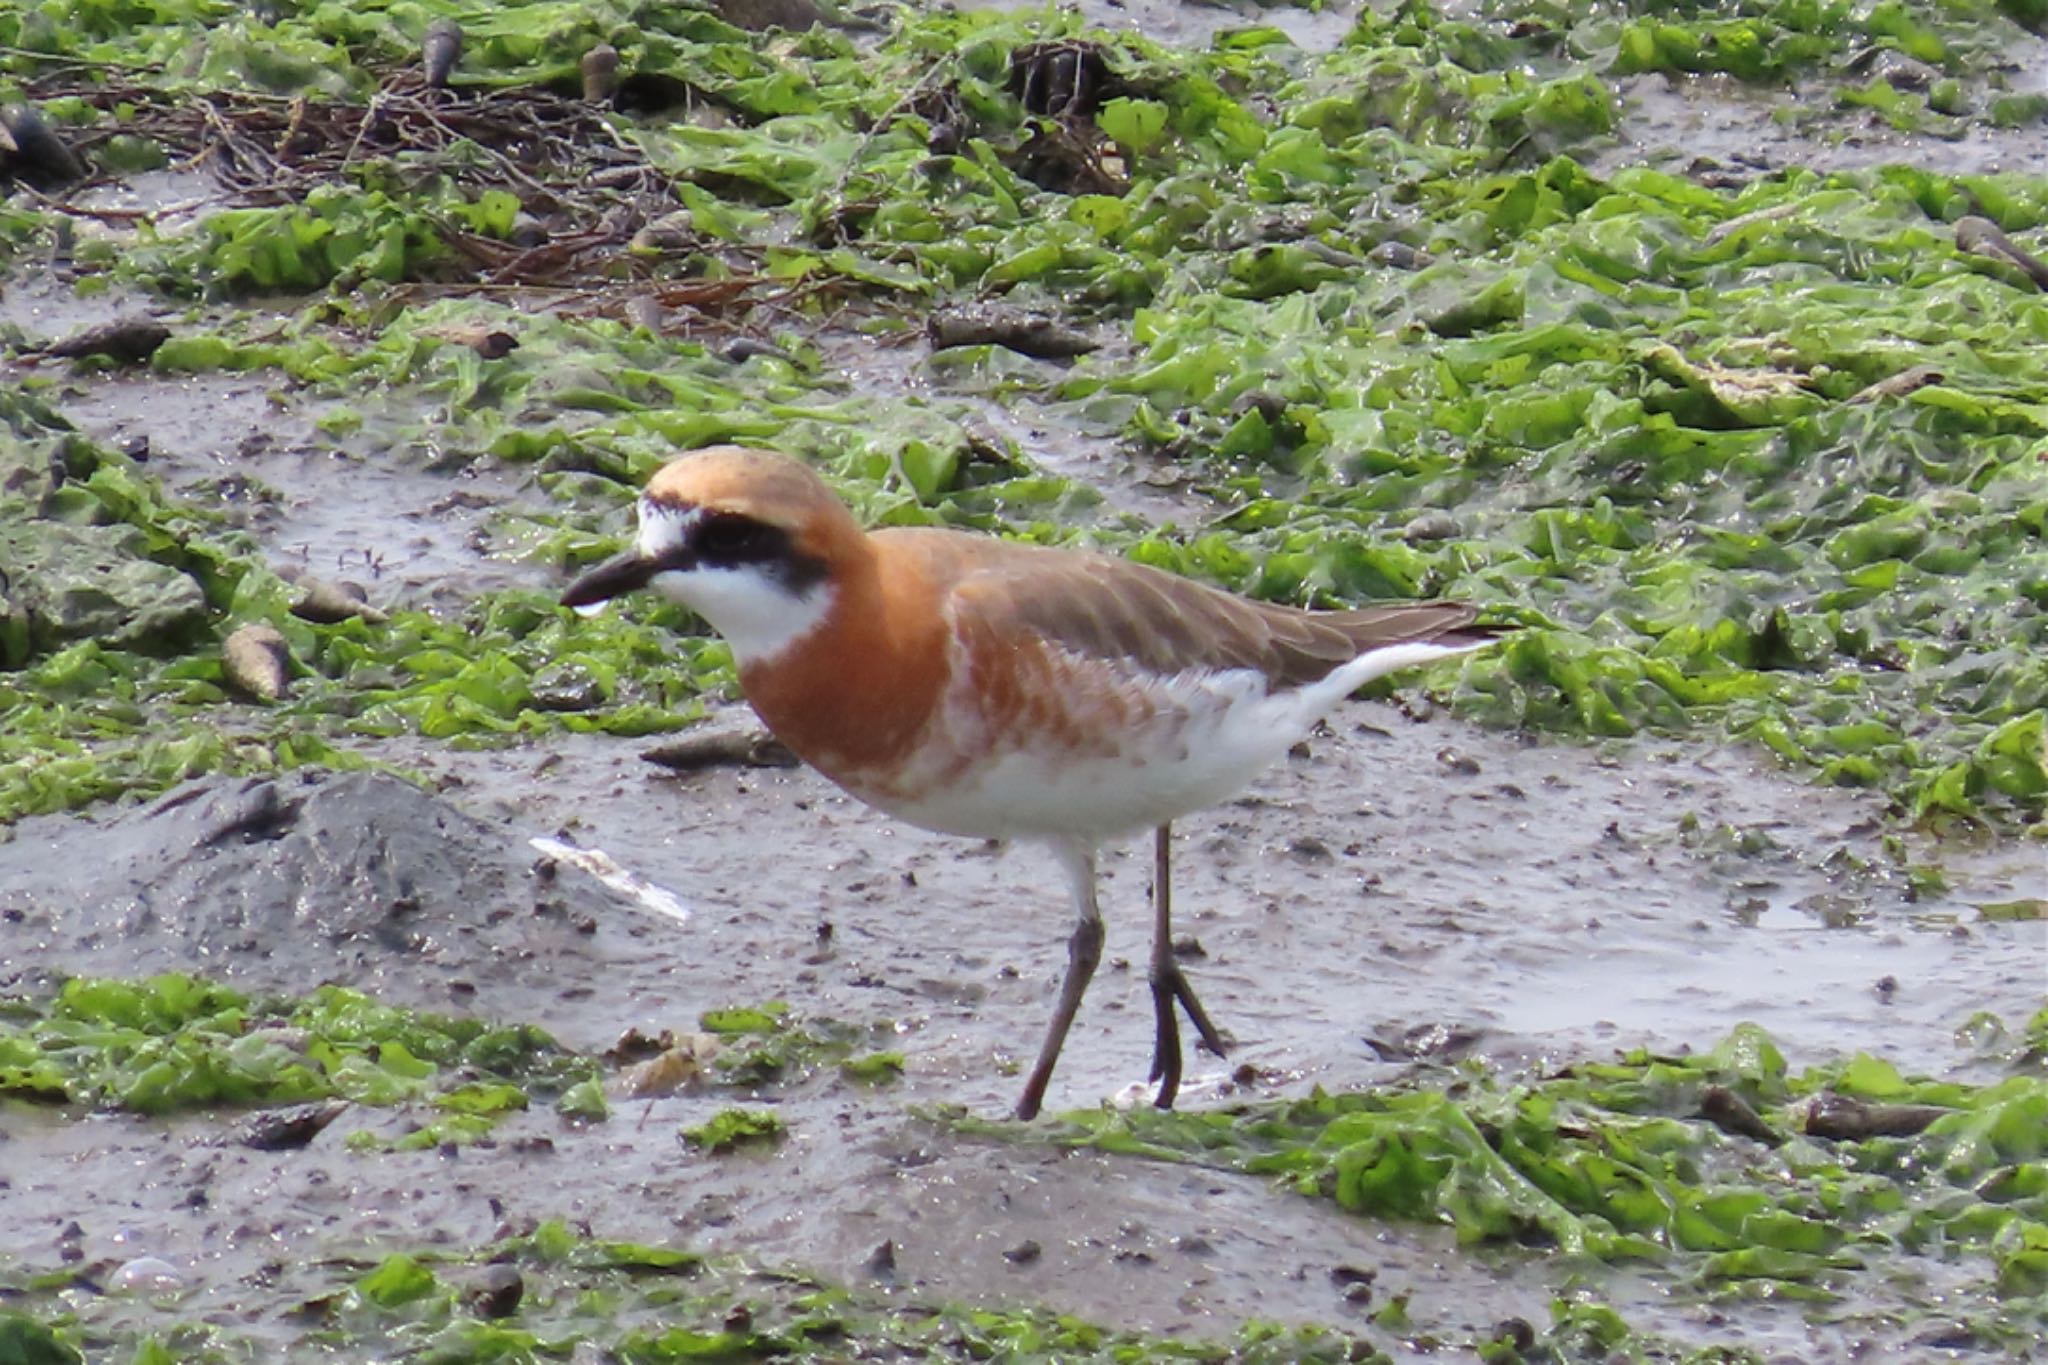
(989, 688)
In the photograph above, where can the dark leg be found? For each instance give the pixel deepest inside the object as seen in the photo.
(1084, 951)
(1169, 987)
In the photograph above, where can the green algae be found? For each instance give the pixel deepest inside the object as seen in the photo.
(731, 1129)
(1698, 1165)
(766, 1045)
(645, 1304)
(1642, 401)
(175, 1043)
(129, 710)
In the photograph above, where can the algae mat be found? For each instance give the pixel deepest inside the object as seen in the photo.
(1699, 343)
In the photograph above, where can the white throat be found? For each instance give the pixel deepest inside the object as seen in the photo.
(756, 614)
(759, 618)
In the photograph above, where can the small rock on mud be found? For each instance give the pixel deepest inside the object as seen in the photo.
(725, 749)
(1852, 1120)
(126, 341)
(497, 1291)
(326, 603)
(257, 661)
(278, 1130)
(881, 1262)
(1031, 334)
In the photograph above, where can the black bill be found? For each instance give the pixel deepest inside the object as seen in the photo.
(615, 577)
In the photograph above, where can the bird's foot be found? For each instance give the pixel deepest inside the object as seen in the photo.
(1170, 988)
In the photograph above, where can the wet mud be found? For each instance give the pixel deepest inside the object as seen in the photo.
(1408, 892)
(1368, 891)
(1404, 892)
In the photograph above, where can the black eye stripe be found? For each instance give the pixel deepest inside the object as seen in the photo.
(731, 539)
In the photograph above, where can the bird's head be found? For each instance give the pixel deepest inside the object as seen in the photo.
(750, 540)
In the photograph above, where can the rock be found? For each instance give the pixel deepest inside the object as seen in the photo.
(722, 749)
(1433, 524)
(73, 583)
(280, 1130)
(440, 49)
(1026, 333)
(32, 149)
(126, 341)
(326, 602)
(257, 661)
(566, 687)
(497, 1291)
(671, 232)
(601, 74)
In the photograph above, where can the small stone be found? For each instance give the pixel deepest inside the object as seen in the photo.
(1309, 849)
(277, 1130)
(257, 661)
(440, 48)
(527, 232)
(601, 74)
(1024, 1253)
(497, 1291)
(670, 232)
(326, 603)
(1515, 1333)
(1430, 525)
(566, 687)
(1463, 764)
(881, 1262)
(126, 341)
(1399, 256)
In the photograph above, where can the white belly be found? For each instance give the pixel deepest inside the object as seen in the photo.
(1208, 735)
(1221, 732)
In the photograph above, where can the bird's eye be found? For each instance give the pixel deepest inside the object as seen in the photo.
(732, 538)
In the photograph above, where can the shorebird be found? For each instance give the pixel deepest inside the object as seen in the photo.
(980, 687)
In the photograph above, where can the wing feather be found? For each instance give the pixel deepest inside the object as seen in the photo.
(1119, 612)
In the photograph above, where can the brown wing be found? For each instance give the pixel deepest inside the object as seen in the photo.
(1115, 610)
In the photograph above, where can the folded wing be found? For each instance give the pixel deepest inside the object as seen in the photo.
(1125, 613)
